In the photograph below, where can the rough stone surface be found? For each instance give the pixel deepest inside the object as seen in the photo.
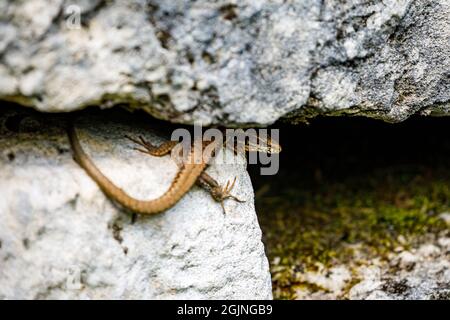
(421, 273)
(229, 61)
(60, 237)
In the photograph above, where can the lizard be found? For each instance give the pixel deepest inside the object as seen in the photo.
(190, 173)
(204, 180)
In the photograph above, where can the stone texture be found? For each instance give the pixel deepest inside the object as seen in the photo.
(422, 273)
(60, 237)
(229, 61)
(418, 273)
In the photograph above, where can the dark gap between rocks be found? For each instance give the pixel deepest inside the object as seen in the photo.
(351, 181)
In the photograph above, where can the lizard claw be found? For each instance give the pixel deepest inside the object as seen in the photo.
(148, 148)
(131, 139)
(142, 142)
(225, 194)
(227, 190)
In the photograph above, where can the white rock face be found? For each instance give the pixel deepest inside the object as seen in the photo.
(60, 237)
(228, 61)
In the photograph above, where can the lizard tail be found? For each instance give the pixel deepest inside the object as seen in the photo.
(186, 178)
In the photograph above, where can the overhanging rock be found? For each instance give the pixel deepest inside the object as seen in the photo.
(229, 62)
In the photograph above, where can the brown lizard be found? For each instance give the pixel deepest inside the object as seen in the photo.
(189, 174)
(205, 181)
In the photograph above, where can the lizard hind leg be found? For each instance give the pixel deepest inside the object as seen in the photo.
(218, 192)
(227, 189)
(224, 193)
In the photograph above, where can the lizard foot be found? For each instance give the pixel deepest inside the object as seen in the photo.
(223, 193)
(148, 147)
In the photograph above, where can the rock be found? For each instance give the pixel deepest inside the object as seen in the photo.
(421, 274)
(238, 62)
(60, 237)
(330, 283)
(416, 274)
(446, 217)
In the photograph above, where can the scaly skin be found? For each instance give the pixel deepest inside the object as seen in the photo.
(183, 182)
(189, 174)
(219, 193)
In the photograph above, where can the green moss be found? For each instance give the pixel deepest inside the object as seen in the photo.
(322, 221)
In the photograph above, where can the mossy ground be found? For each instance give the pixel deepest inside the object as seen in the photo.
(312, 213)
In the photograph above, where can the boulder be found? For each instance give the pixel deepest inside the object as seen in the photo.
(229, 62)
(60, 237)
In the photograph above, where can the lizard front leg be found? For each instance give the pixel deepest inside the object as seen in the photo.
(218, 193)
(157, 151)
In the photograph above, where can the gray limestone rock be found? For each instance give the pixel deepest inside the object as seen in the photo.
(60, 237)
(228, 61)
